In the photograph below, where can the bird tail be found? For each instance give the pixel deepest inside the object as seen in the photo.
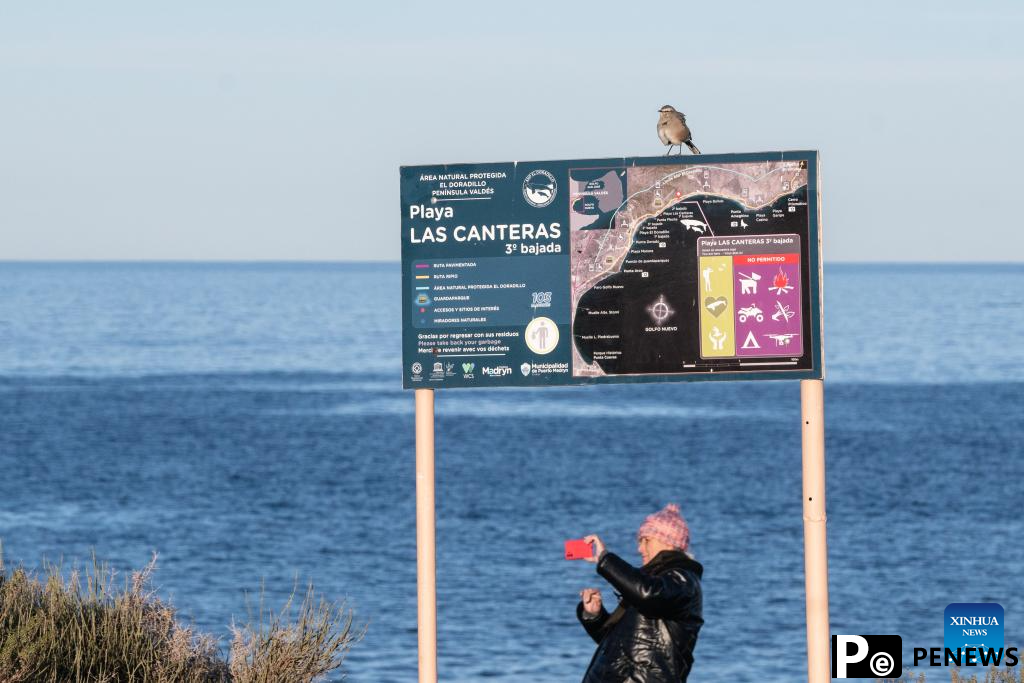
(693, 147)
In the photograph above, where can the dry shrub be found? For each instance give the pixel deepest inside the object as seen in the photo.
(957, 675)
(85, 629)
(992, 675)
(308, 647)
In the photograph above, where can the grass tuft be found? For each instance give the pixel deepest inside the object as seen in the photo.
(86, 629)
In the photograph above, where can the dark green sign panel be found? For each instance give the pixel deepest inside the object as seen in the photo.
(611, 270)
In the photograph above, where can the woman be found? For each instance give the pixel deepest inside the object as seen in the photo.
(650, 636)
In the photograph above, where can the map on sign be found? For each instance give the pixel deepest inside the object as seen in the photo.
(611, 270)
(643, 298)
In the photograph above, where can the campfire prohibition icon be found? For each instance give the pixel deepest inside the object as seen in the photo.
(780, 283)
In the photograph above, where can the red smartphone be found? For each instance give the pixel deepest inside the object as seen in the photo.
(578, 550)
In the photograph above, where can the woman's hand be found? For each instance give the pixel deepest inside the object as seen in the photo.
(591, 600)
(599, 549)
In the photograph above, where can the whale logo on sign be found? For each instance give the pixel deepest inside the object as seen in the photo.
(539, 188)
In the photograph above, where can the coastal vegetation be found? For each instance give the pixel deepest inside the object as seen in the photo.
(992, 675)
(87, 627)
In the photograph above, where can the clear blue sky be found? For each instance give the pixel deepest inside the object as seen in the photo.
(273, 130)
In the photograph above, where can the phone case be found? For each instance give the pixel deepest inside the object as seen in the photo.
(578, 550)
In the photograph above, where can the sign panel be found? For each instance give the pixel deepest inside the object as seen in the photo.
(611, 270)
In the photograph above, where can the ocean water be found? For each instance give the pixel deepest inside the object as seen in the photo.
(247, 423)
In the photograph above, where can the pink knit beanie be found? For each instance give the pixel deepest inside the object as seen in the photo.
(668, 526)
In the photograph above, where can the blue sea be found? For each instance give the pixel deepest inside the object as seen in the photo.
(247, 422)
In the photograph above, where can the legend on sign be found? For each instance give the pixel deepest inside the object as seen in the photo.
(749, 289)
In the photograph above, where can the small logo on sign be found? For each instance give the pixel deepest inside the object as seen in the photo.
(525, 369)
(539, 188)
(541, 335)
(541, 300)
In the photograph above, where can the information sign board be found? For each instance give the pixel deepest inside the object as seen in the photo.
(611, 270)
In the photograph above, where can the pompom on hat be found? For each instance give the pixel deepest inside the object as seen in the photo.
(668, 526)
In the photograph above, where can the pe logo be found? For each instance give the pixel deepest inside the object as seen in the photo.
(973, 624)
(867, 656)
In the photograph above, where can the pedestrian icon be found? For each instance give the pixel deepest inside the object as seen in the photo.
(707, 278)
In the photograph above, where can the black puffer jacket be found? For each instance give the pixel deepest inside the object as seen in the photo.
(650, 636)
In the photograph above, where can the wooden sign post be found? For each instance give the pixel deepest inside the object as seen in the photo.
(426, 573)
(815, 540)
(812, 409)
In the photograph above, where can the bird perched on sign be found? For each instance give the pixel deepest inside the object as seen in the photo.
(672, 130)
